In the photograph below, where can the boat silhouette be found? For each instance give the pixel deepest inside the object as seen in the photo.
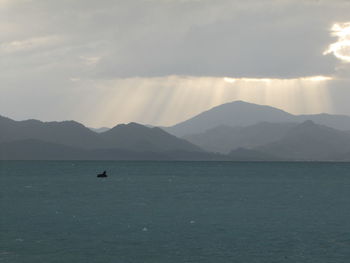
(104, 174)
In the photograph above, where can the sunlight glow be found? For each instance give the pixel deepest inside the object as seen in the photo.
(341, 48)
(317, 78)
(168, 100)
(312, 78)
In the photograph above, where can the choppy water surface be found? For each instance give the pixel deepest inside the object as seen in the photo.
(174, 212)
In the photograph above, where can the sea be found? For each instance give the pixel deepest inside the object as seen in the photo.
(174, 212)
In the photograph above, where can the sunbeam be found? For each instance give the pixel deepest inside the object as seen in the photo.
(168, 100)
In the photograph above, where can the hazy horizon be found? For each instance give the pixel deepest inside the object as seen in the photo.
(131, 121)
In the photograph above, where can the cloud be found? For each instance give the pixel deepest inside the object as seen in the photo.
(29, 44)
(196, 38)
(341, 48)
(90, 61)
(252, 40)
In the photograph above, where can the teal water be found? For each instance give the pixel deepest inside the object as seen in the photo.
(174, 212)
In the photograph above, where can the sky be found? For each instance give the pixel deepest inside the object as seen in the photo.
(160, 62)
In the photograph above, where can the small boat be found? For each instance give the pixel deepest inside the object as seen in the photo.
(104, 174)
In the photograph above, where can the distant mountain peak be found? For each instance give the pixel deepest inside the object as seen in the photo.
(241, 113)
(130, 125)
(236, 113)
(245, 104)
(137, 137)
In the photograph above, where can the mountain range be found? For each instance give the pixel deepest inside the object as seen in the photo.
(236, 131)
(239, 113)
(224, 138)
(69, 139)
(309, 141)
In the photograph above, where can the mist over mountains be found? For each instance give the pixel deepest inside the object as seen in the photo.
(224, 138)
(240, 113)
(236, 131)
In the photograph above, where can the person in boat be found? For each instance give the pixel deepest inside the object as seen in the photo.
(104, 174)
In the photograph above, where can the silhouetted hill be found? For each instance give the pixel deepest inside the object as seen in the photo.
(31, 149)
(244, 155)
(239, 113)
(38, 150)
(224, 138)
(69, 140)
(136, 137)
(339, 122)
(68, 133)
(343, 157)
(236, 113)
(72, 138)
(309, 141)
